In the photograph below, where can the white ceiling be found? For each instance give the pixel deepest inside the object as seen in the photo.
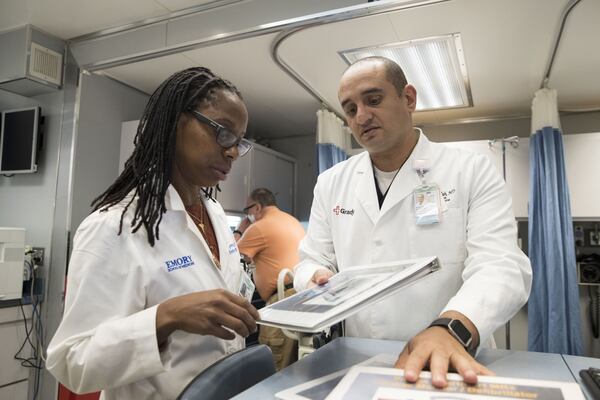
(277, 106)
(506, 45)
(67, 19)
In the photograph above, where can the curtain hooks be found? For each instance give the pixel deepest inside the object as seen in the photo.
(545, 83)
(513, 140)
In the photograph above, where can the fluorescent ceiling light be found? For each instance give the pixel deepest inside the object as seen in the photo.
(434, 66)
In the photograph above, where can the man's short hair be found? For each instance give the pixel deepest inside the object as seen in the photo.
(263, 196)
(393, 72)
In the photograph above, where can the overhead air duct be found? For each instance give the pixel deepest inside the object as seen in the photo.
(32, 61)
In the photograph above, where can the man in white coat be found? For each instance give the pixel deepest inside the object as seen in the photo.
(468, 223)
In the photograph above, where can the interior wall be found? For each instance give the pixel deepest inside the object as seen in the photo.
(24, 197)
(28, 199)
(52, 308)
(303, 149)
(104, 105)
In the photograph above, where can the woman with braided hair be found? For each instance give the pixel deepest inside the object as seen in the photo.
(154, 275)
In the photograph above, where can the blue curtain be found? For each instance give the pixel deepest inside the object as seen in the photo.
(553, 310)
(328, 155)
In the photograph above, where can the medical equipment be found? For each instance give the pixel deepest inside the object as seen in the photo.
(12, 261)
(307, 342)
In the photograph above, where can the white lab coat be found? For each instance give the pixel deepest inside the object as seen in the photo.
(107, 338)
(484, 274)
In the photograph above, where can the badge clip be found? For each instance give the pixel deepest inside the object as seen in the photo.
(421, 167)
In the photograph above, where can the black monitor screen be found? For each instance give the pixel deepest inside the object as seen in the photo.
(19, 133)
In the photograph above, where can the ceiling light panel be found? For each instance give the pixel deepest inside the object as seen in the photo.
(435, 66)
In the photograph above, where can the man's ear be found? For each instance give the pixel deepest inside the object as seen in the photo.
(411, 97)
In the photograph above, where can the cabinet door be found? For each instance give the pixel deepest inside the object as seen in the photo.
(581, 154)
(15, 391)
(234, 190)
(275, 173)
(581, 151)
(13, 334)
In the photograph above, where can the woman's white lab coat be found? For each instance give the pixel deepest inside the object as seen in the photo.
(107, 338)
(484, 274)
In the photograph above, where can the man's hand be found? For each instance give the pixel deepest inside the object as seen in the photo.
(239, 231)
(244, 224)
(437, 349)
(320, 277)
(206, 313)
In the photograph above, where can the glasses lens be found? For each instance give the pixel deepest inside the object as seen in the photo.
(245, 210)
(226, 138)
(244, 147)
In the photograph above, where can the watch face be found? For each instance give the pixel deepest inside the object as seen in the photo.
(460, 331)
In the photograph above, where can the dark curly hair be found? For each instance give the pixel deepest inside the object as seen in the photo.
(147, 173)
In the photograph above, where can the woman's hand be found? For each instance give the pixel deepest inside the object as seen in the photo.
(212, 312)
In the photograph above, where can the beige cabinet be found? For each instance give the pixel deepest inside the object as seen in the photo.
(581, 151)
(261, 167)
(13, 376)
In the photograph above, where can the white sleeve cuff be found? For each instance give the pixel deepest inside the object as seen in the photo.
(303, 274)
(150, 359)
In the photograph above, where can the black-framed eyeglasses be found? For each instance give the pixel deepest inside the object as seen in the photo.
(246, 209)
(225, 138)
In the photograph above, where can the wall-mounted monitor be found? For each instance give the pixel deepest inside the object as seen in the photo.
(18, 140)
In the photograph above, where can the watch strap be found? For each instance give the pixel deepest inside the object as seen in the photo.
(448, 323)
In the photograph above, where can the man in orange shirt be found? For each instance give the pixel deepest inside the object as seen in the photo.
(270, 238)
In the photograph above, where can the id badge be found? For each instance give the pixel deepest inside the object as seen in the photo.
(427, 204)
(246, 287)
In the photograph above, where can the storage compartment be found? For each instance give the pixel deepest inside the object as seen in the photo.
(32, 61)
(13, 334)
(16, 391)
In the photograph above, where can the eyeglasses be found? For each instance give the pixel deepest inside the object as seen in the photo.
(225, 138)
(246, 209)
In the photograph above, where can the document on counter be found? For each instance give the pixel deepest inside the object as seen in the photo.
(347, 292)
(318, 389)
(388, 384)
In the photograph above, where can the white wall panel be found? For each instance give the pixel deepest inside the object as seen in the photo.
(276, 173)
(104, 105)
(235, 189)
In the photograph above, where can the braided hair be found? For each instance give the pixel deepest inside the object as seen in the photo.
(147, 173)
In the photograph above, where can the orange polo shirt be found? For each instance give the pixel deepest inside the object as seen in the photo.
(272, 243)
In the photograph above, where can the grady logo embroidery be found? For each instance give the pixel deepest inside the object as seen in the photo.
(179, 263)
(338, 210)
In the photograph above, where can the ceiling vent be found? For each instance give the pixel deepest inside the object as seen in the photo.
(32, 61)
(45, 64)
